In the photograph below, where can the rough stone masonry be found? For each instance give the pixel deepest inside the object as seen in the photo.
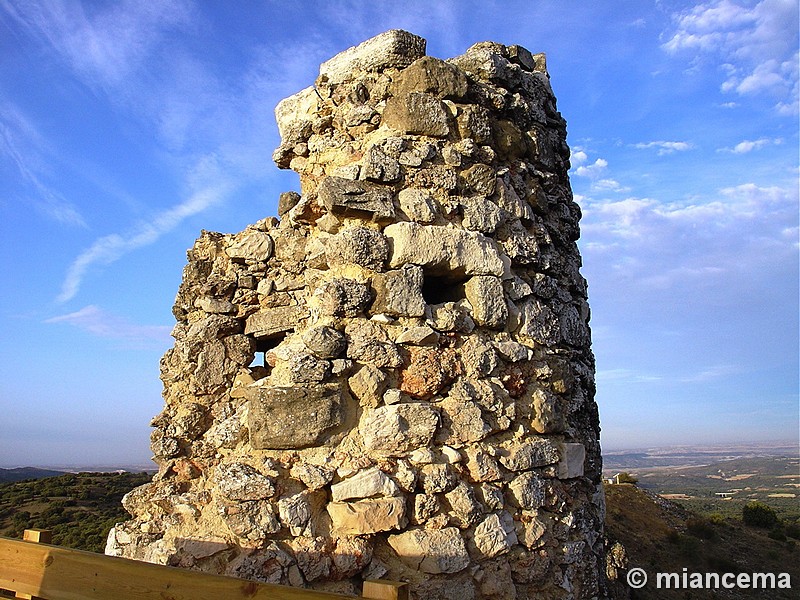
(394, 379)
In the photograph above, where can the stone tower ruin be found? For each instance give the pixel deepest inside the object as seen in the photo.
(394, 379)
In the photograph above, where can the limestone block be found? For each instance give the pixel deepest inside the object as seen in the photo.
(364, 484)
(417, 204)
(396, 429)
(495, 535)
(480, 214)
(443, 250)
(432, 75)
(485, 294)
(367, 516)
(431, 550)
(271, 322)
(481, 465)
(360, 199)
(417, 336)
(529, 455)
(416, 113)
(358, 245)
(342, 298)
(427, 370)
(313, 477)
(394, 48)
(437, 478)
(238, 481)
(250, 520)
(532, 527)
(251, 245)
(368, 385)
(398, 293)
(296, 113)
(378, 166)
(324, 342)
(295, 512)
(464, 508)
(462, 421)
(293, 417)
(527, 490)
(573, 457)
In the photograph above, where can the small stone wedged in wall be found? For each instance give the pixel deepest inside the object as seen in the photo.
(395, 379)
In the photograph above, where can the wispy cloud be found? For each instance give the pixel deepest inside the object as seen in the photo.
(755, 44)
(746, 146)
(104, 44)
(28, 151)
(665, 147)
(101, 323)
(111, 248)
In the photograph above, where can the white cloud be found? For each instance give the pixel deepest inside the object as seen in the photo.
(592, 171)
(665, 147)
(746, 146)
(101, 323)
(757, 45)
(111, 248)
(738, 233)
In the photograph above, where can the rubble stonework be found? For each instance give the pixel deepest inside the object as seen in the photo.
(394, 379)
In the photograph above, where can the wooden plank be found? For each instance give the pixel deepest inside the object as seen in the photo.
(36, 536)
(64, 574)
(378, 589)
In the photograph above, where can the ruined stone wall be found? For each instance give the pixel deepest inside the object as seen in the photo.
(395, 378)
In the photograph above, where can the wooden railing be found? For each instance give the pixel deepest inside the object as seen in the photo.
(33, 568)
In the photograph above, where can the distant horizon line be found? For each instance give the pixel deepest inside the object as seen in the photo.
(149, 465)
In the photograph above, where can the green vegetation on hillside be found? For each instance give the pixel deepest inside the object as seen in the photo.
(663, 536)
(79, 509)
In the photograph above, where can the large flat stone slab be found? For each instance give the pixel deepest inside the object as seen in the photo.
(293, 417)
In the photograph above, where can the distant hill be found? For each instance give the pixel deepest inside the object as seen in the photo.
(22, 473)
(661, 536)
(79, 508)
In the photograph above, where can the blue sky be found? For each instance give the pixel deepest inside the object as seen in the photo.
(127, 127)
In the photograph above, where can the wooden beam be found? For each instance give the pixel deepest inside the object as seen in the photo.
(36, 536)
(64, 574)
(378, 589)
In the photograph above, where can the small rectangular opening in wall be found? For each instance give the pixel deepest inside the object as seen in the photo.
(438, 290)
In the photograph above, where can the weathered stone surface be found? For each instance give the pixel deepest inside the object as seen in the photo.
(342, 298)
(238, 481)
(427, 370)
(274, 321)
(367, 516)
(358, 245)
(495, 535)
(324, 342)
(394, 48)
(409, 343)
(418, 205)
(396, 429)
(399, 292)
(416, 113)
(368, 385)
(429, 74)
(293, 417)
(250, 520)
(251, 245)
(347, 198)
(527, 490)
(572, 461)
(529, 455)
(431, 551)
(480, 215)
(443, 250)
(485, 294)
(367, 483)
(380, 167)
